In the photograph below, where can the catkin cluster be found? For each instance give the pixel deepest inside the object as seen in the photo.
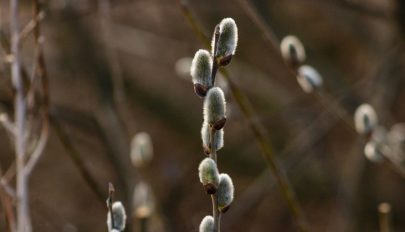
(203, 71)
(293, 53)
(381, 143)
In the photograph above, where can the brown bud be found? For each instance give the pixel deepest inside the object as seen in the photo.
(225, 209)
(206, 150)
(210, 189)
(200, 90)
(224, 61)
(218, 125)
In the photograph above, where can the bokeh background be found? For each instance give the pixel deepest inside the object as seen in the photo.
(121, 67)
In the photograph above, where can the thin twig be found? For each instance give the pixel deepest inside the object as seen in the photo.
(8, 208)
(110, 201)
(257, 128)
(365, 9)
(31, 25)
(7, 123)
(39, 148)
(77, 160)
(43, 76)
(23, 217)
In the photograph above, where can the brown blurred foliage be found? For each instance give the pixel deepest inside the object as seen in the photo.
(112, 74)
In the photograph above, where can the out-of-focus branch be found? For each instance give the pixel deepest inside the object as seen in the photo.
(31, 25)
(43, 77)
(23, 217)
(77, 160)
(364, 8)
(112, 59)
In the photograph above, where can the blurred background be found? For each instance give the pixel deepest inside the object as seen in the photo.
(121, 67)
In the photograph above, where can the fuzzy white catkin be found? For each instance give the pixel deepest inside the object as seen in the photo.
(228, 38)
(208, 172)
(292, 50)
(143, 200)
(201, 68)
(141, 149)
(119, 215)
(225, 191)
(207, 224)
(372, 152)
(396, 140)
(365, 119)
(214, 108)
(206, 137)
(308, 78)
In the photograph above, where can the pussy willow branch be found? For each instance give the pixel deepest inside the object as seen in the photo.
(23, 217)
(274, 45)
(327, 101)
(257, 128)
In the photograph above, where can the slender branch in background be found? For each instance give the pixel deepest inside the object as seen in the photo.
(43, 77)
(7, 198)
(7, 123)
(77, 160)
(23, 217)
(113, 61)
(257, 128)
(365, 9)
(274, 44)
(31, 25)
(6, 201)
(384, 212)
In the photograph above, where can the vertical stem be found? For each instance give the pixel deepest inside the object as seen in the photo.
(23, 218)
(213, 155)
(111, 191)
(384, 211)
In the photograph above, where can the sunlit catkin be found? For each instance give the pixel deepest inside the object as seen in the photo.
(208, 174)
(225, 192)
(119, 217)
(372, 152)
(309, 79)
(215, 108)
(365, 119)
(141, 149)
(201, 71)
(207, 224)
(292, 50)
(218, 139)
(228, 38)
